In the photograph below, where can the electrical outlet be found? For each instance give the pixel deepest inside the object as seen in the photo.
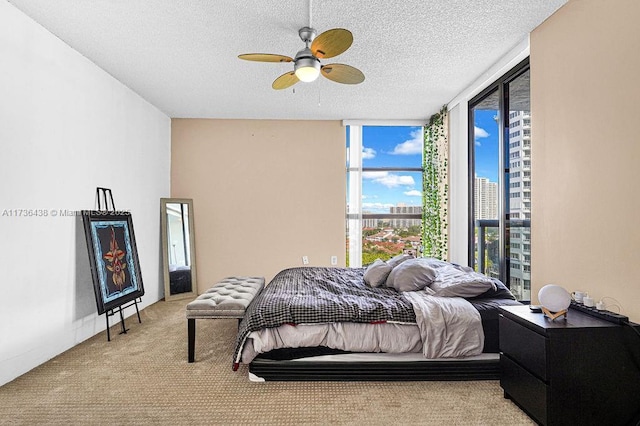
(334, 260)
(305, 260)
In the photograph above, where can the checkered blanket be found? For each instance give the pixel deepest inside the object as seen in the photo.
(321, 295)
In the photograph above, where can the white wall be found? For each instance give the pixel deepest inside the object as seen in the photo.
(66, 127)
(458, 185)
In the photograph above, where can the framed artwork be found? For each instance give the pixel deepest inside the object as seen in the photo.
(113, 258)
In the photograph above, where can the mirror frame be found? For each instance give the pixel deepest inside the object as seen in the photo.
(165, 252)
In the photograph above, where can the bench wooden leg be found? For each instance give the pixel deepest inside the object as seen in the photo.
(191, 332)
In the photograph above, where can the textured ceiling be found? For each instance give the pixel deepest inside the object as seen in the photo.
(181, 56)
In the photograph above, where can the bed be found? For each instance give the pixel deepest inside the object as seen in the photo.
(418, 319)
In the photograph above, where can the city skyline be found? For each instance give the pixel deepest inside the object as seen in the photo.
(401, 146)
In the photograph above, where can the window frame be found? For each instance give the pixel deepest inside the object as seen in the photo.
(501, 87)
(354, 195)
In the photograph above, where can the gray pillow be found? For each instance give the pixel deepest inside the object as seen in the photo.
(462, 281)
(396, 260)
(411, 275)
(434, 262)
(376, 274)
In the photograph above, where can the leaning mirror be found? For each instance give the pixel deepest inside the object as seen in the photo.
(178, 248)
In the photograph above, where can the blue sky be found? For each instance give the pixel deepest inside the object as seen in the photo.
(391, 146)
(398, 146)
(486, 152)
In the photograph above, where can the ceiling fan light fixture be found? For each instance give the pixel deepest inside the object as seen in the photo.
(307, 69)
(306, 64)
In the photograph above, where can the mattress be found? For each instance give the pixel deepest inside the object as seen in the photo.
(408, 334)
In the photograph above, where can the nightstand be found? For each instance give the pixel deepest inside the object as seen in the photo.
(575, 371)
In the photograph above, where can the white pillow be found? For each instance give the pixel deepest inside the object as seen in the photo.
(376, 274)
(411, 275)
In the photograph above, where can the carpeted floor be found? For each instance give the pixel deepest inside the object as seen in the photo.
(143, 377)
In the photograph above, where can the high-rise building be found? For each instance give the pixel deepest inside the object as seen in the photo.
(486, 196)
(401, 208)
(520, 203)
(371, 223)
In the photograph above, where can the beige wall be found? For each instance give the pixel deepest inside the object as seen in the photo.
(265, 193)
(586, 151)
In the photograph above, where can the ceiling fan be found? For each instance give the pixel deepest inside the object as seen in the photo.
(307, 65)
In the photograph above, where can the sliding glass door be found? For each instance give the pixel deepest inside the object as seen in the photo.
(500, 181)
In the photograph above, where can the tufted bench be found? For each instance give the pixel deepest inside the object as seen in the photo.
(228, 298)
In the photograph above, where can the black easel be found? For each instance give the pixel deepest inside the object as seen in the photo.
(101, 196)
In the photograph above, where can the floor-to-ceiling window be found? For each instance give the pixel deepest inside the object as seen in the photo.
(500, 181)
(384, 190)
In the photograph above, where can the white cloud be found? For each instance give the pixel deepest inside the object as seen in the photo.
(376, 206)
(368, 153)
(389, 180)
(412, 146)
(413, 193)
(374, 175)
(479, 132)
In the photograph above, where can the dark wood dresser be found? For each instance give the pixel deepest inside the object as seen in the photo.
(575, 371)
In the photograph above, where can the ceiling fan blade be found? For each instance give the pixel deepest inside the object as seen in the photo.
(265, 57)
(341, 73)
(285, 80)
(331, 43)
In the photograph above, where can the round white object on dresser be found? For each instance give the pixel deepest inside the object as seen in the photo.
(554, 297)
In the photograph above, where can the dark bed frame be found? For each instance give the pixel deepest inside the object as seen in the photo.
(272, 370)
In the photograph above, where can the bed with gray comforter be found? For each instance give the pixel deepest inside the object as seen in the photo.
(438, 310)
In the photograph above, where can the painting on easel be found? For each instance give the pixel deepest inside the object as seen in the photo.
(113, 258)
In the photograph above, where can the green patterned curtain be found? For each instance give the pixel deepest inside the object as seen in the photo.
(435, 187)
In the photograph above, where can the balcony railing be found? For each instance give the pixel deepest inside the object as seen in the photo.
(488, 250)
